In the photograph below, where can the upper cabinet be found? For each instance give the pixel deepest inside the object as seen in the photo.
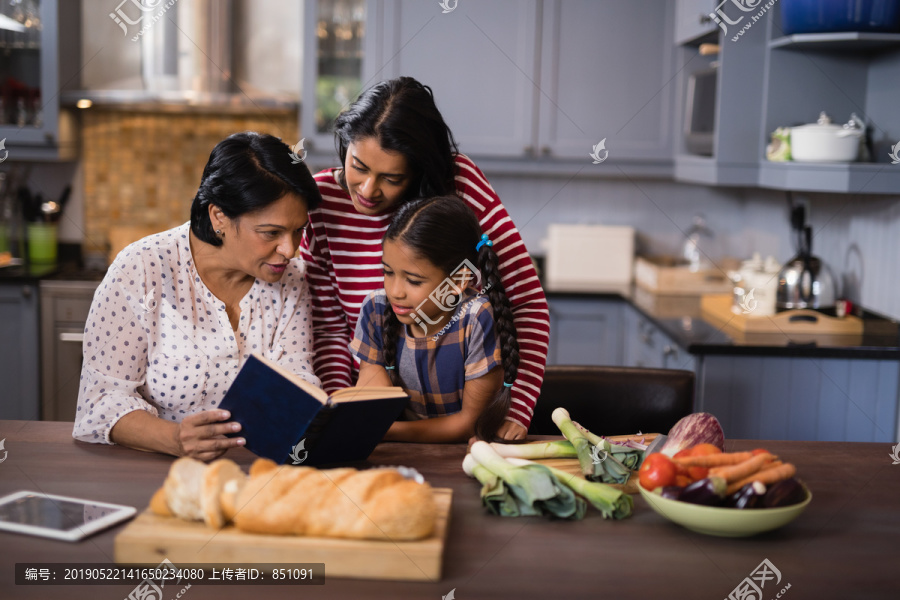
(481, 60)
(32, 74)
(527, 84)
(763, 79)
(605, 74)
(840, 74)
(693, 20)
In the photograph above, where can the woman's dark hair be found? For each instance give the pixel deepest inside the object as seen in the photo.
(247, 172)
(445, 231)
(402, 116)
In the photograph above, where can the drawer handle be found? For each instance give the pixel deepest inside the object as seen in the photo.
(803, 318)
(72, 337)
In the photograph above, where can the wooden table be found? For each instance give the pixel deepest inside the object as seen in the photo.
(844, 546)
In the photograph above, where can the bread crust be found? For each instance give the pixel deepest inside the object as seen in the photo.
(286, 500)
(215, 477)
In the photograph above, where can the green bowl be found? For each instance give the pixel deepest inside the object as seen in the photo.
(724, 522)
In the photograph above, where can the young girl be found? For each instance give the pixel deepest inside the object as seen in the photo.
(451, 347)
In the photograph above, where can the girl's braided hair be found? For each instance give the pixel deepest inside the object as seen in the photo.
(444, 231)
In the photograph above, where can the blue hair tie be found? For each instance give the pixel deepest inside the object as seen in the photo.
(389, 368)
(508, 384)
(484, 240)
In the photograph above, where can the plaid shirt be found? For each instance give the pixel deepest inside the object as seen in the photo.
(434, 371)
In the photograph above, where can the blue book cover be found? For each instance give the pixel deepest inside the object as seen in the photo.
(290, 420)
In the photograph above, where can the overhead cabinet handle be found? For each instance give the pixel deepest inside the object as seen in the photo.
(71, 337)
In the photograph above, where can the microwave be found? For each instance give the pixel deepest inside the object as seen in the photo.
(700, 112)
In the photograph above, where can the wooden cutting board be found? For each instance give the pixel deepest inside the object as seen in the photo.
(150, 538)
(716, 309)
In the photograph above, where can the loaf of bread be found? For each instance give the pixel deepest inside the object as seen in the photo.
(285, 500)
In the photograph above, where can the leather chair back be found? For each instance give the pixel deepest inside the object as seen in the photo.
(614, 400)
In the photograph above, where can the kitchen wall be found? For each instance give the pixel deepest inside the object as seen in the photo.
(858, 236)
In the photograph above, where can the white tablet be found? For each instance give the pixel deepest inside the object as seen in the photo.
(58, 517)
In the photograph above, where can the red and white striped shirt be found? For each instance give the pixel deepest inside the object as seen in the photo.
(344, 264)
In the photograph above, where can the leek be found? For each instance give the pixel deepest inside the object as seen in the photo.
(495, 496)
(617, 462)
(581, 444)
(556, 449)
(533, 485)
(612, 503)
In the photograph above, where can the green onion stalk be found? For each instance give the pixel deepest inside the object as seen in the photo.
(581, 444)
(533, 485)
(612, 503)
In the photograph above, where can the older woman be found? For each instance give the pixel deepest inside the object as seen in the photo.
(179, 312)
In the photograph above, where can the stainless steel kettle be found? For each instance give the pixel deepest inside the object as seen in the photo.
(805, 281)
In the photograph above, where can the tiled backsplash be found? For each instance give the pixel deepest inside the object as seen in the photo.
(143, 169)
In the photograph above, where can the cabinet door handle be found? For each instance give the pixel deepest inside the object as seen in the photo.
(669, 350)
(528, 150)
(26, 291)
(705, 19)
(72, 337)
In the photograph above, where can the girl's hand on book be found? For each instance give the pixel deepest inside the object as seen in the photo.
(202, 435)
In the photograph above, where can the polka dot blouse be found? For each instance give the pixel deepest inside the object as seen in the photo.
(158, 340)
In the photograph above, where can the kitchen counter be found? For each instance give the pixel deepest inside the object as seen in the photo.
(842, 546)
(680, 318)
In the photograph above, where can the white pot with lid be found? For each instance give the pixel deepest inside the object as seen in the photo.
(824, 141)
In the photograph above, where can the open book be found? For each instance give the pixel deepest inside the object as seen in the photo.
(290, 420)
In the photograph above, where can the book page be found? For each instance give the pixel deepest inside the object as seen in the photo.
(352, 394)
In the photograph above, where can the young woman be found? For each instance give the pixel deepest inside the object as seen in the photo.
(179, 312)
(394, 146)
(450, 345)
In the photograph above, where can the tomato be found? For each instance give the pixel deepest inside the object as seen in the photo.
(657, 470)
(683, 481)
(684, 453)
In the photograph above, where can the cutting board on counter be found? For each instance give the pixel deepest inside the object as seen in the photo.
(150, 538)
(571, 466)
(716, 309)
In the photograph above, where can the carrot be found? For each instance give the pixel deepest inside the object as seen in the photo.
(713, 460)
(767, 476)
(743, 469)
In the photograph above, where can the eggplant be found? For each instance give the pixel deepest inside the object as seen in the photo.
(697, 428)
(708, 492)
(784, 493)
(670, 491)
(749, 496)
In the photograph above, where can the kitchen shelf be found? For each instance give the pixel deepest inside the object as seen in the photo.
(848, 178)
(707, 170)
(846, 41)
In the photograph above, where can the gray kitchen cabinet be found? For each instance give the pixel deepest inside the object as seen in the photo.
(19, 367)
(521, 79)
(342, 53)
(692, 20)
(646, 345)
(45, 59)
(64, 310)
(585, 331)
(785, 398)
(606, 70)
(481, 61)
